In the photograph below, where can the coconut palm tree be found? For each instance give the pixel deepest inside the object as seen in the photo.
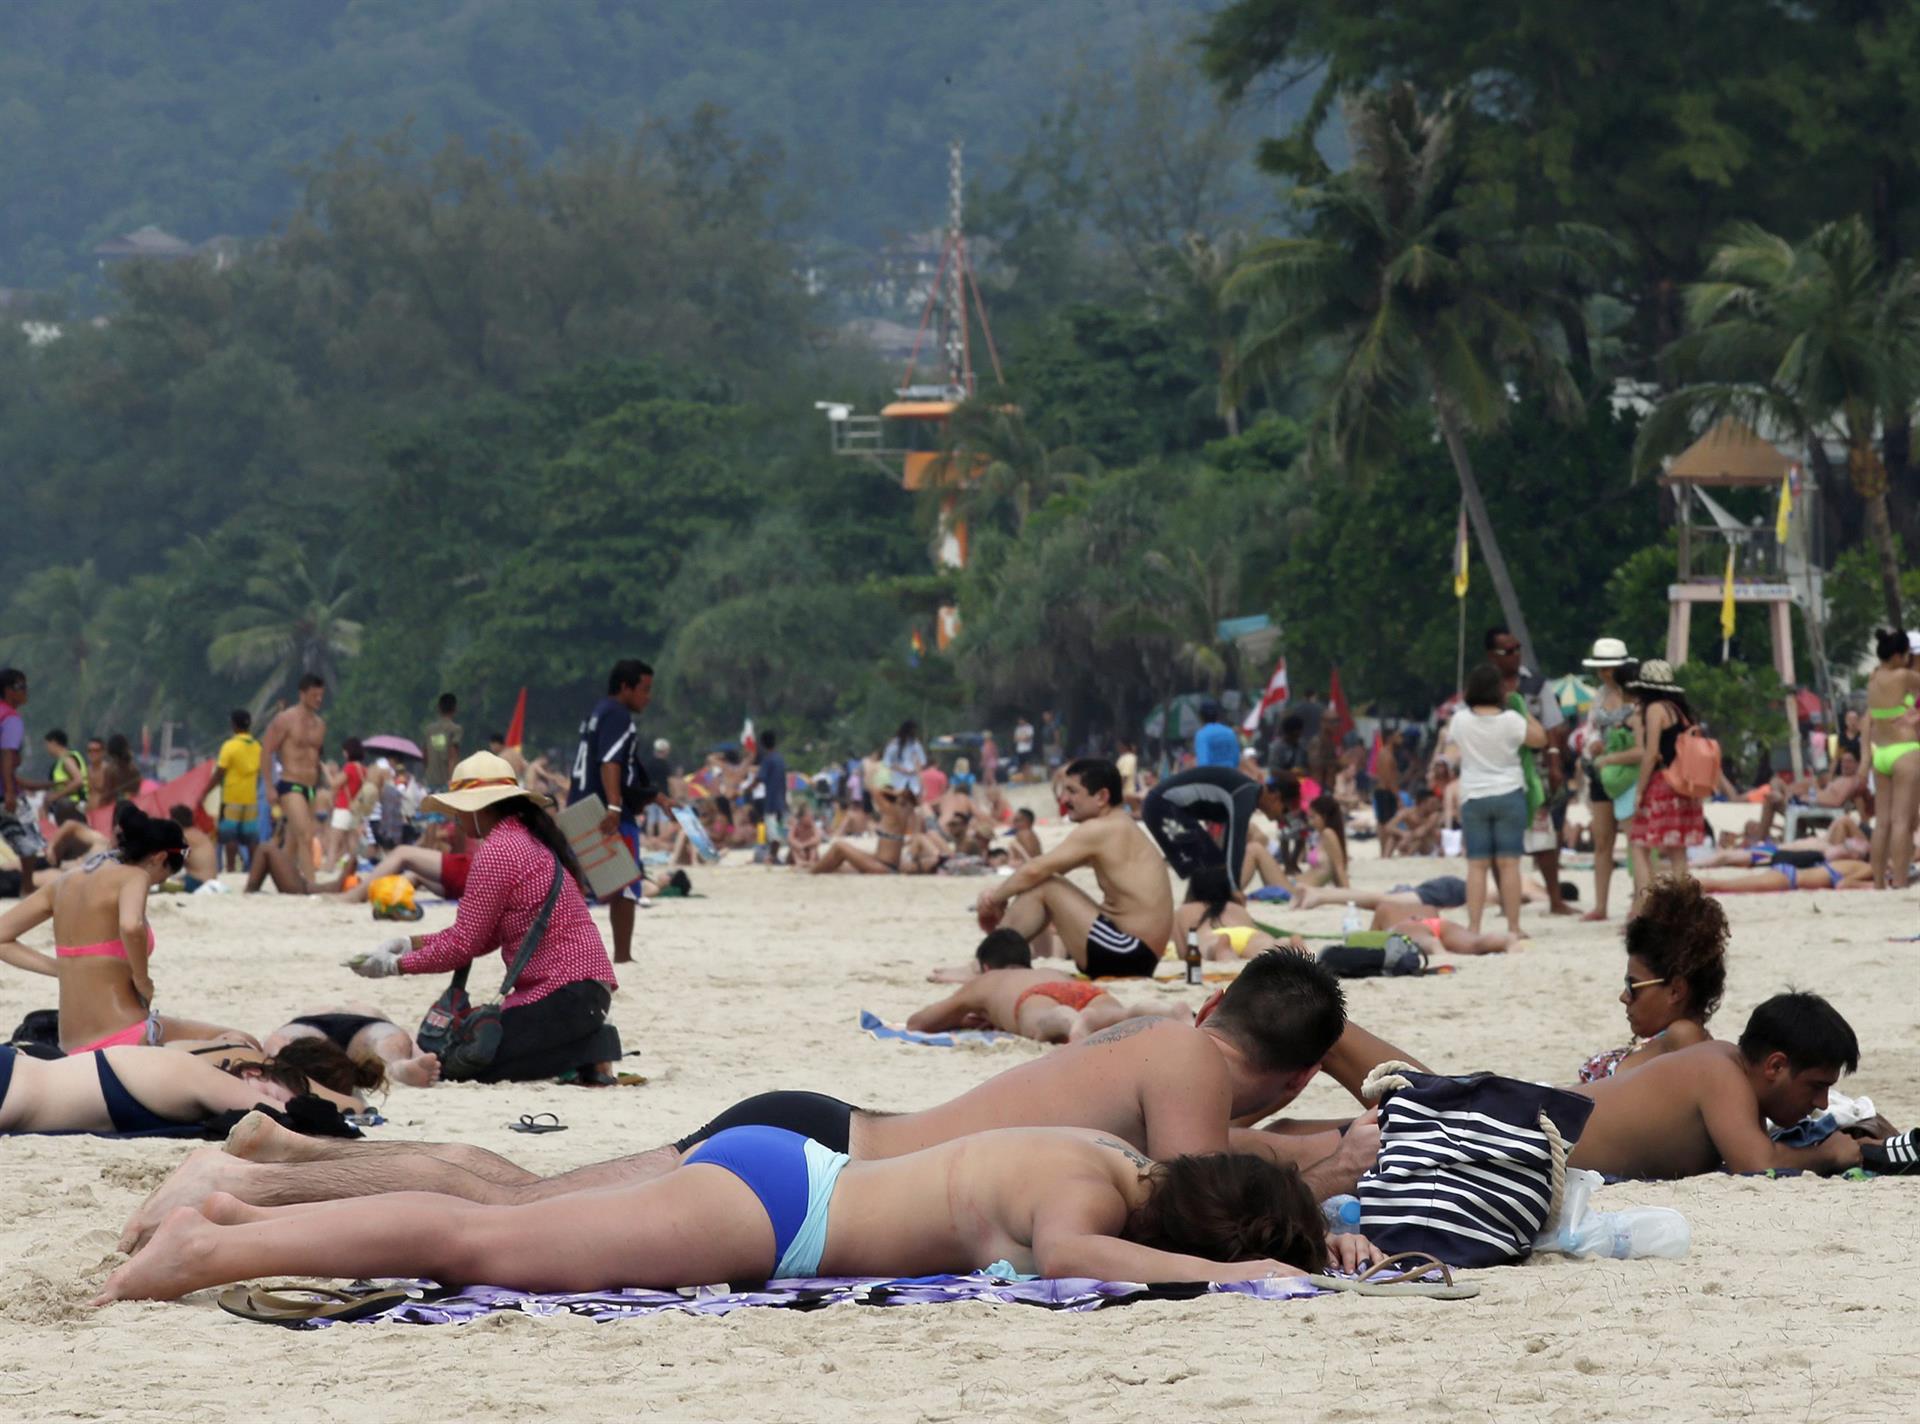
(295, 624)
(1414, 287)
(1010, 470)
(54, 618)
(1808, 339)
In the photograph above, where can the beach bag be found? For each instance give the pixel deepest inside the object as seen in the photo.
(465, 1036)
(1617, 780)
(1695, 770)
(1470, 1169)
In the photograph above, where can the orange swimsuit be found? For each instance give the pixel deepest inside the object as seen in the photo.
(1075, 994)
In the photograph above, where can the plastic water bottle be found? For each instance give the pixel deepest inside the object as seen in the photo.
(1352, 920)
(1630, 1234)
(1342, 1214)
(1195, 966)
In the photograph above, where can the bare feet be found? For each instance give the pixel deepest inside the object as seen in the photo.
(174, 1263)
(1593, 916)
(203, 1173)
(419, 1072)
(258, 1138)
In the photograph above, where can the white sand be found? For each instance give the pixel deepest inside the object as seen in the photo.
(1797, 1302)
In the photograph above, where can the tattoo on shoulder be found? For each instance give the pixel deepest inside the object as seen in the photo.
(1126, 1150)
(1126, 1028)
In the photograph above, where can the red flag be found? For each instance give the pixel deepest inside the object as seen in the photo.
(1275, 694)
(1337, 707)
(517, 728)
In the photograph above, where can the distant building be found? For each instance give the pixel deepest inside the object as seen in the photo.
(149, 242)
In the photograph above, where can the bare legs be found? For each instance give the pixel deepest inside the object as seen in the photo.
(703, 1224)
(1903, 800)
(267, 1165)
(1603, 838)
(1058, 905)
(840, 854)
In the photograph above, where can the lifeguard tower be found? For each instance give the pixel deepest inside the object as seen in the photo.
(1766, 569)
(910, 432)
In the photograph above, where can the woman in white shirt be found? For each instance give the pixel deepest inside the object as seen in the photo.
(1493, 790)
(906, 758)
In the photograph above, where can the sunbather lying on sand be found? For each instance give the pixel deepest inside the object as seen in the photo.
(1782, 875)
(1049, 1004)
(759, 1203)
(1162, 1087)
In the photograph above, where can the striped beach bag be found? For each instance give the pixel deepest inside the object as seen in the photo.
(1470, 1169)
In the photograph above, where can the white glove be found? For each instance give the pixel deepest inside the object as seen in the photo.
(384, 959)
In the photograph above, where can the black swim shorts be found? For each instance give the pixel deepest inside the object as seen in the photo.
(1112, 953)
(828, 1121)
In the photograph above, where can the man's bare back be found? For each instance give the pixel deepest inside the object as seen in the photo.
(1686, 1113)
(1160, 1086)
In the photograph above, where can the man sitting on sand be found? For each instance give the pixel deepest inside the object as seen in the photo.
(1161, 1087)
(1123, 933)
(1048, 1005)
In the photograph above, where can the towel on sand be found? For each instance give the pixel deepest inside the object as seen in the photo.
(877, 1027)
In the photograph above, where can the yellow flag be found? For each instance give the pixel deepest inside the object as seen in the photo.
(1726, 599)
(1786, 508)
(1460, 557)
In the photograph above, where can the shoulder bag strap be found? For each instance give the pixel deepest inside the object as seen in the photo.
(535, 931)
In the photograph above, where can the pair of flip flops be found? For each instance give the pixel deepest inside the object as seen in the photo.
(1404, 1274)
(295, 1303)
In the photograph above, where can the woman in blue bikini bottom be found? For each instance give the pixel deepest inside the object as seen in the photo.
(757, 1202)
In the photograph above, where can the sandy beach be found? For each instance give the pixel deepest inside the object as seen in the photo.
(1796, 1302)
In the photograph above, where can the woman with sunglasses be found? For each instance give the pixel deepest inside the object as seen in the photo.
(1676, 972)
(103, 944)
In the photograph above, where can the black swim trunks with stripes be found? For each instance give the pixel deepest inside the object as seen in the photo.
(826, 1120)
(1112, 953)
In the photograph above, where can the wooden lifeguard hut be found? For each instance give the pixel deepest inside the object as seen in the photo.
(1767, 570)
(910, 432)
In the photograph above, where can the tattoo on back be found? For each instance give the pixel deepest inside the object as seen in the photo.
(1125, 1150)
(1126, 1028)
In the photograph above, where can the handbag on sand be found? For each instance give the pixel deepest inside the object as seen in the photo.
(466, 1036)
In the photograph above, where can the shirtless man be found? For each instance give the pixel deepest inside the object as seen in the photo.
(295, 738)
(203, 856)
(898, 810)
(1698, 1109)
(1024, 836)
(1048, 1005)
(1053, 1201)
(1127, 930)
(1161, 1087)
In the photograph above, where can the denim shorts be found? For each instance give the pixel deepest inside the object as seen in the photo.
(1495, 826)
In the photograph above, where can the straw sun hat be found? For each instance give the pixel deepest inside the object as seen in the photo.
(1656, 675)
(482, 779)
(1607, 652)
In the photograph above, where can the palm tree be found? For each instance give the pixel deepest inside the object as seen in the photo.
(57, 611)
(1416, 288)
(295, 624)
(1003, 465)
(1810, 338)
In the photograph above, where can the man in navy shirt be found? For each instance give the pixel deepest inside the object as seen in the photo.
(608, 764)
(772, 781)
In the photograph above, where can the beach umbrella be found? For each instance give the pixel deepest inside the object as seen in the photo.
(397, 746)
(1573, 695)
(1177, 718)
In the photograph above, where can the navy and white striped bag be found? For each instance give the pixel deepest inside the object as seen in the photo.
(1470, 1169)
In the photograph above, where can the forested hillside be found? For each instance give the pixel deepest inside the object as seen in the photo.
(195, 114)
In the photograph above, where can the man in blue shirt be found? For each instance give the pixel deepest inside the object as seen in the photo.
(772, 781)
(1215, 744)
(608, 764)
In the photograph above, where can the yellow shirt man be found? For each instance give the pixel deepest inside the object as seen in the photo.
(240, 791)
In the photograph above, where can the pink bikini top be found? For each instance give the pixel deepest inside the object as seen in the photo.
(106, 949)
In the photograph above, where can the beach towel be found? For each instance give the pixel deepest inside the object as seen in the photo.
(696, 834)
(441, 1307)
(1470, 1169)
(876, 1027)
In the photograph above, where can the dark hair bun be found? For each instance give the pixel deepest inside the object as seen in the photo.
(142, 835)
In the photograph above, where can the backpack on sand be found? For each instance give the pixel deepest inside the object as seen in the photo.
(1695, 770)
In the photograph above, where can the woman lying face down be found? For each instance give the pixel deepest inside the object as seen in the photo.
(759, 1203)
